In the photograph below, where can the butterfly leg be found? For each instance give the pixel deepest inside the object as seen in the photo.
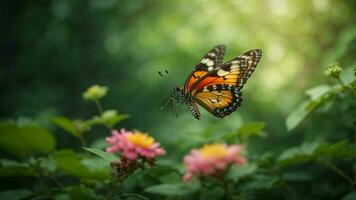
(170, 100)
(175, 110)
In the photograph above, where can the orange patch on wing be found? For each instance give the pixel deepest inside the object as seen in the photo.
(194, 77)
(215, 99)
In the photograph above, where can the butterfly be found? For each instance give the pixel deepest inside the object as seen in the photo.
(216, 86)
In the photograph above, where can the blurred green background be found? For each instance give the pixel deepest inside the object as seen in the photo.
(51, 51)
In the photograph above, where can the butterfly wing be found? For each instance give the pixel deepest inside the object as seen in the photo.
(209, 62)
(235, 72)
(220, 100)
(218, 91)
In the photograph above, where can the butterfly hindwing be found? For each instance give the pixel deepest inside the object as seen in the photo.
(209, 62)
(220, 100)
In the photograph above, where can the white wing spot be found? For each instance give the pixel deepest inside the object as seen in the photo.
(211, 54)
(210, 68)
(222, 72)
(234, 66)
(210, 63)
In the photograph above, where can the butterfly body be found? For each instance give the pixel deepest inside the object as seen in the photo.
(184, 97)
(216, 86)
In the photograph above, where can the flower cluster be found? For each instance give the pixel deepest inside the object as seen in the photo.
(212, 160)
(137, 148)
(333, 70)
(133, 146)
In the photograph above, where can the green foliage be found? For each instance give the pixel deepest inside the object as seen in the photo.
(15, 194)
(312, 151)
(10, 168)
(38, 139)
(81, 166)
(244, 132)
(102, 154)
(237, 172)
(67, 125)
(260, 182)
(177, 189)
(108, 118)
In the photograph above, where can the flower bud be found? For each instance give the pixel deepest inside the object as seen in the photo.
(333, 70)
(95, 92)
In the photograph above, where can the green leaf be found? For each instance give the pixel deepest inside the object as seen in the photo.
(259, 182)
(246, 131)
(47, 164)
(319, 95)
(214, 192)
(173, 177)
(297, 176)
(340, 149)
(318, 91)
(13, 168)
(297, 116)
(299, 154)
(107, 156)
(81, 193)
(311, 151)
(350, 196)
(62, 197)
(26, 139)
(99, 143)
(108, 118)
(177, 189)
(80, 166)
(67, 125)
(15, 194)
(237, 172)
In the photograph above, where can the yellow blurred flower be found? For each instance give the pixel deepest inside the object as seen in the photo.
(140, 139)
(214, 150)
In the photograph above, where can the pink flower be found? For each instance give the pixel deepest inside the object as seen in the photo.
(134, 145)
(212, 160)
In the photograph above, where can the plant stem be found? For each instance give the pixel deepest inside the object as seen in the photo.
(99, 107)
(117, 181)
(339, 172)
(227, 189)
(289, 190)
(54, 179)
(82, 141)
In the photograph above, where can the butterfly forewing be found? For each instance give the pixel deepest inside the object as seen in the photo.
(243, 65)
(235, 72)
(212, 60)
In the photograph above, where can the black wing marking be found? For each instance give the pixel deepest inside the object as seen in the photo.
(212, 59)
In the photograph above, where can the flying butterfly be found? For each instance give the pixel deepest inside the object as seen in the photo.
(216, 86)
